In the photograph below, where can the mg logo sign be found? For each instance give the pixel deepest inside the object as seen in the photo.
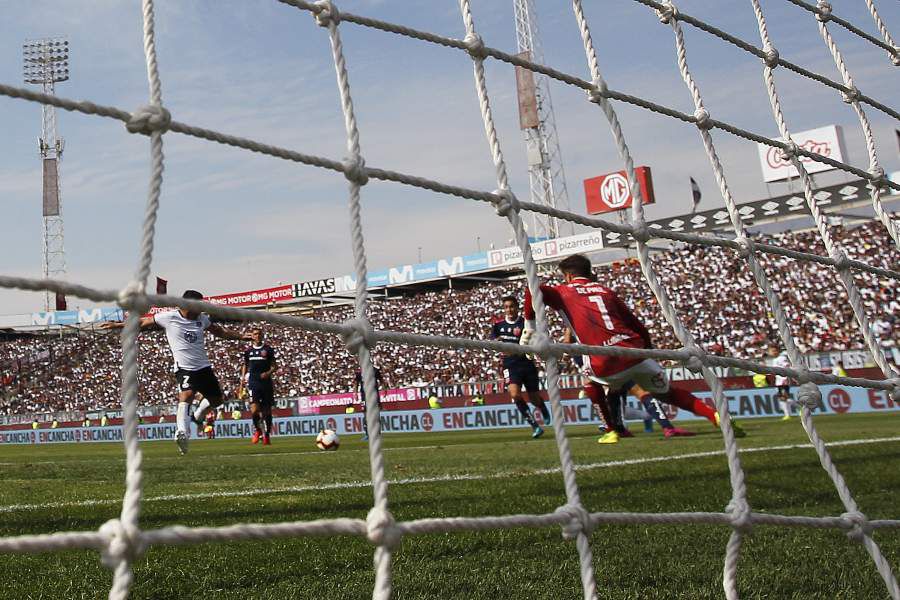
(611, 192)
(614, 191)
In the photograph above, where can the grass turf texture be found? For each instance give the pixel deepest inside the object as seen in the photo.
(79, 487)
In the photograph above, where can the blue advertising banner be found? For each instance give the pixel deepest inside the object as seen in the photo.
(744, 404)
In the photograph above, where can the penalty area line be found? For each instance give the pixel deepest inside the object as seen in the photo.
(435, 479)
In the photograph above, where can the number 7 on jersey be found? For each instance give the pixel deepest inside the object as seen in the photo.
(601, 305)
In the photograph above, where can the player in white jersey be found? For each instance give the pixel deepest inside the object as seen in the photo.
(185, 332)
(782, 383)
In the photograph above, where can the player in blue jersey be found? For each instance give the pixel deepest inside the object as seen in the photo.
(518, 370)
(258, 368)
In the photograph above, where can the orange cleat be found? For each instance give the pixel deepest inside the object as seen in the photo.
(266, 441)
(255, 439)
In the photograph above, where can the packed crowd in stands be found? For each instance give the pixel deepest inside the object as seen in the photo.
(712, 289)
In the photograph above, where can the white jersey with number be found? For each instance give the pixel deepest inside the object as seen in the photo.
(186, 339)
(783, 362)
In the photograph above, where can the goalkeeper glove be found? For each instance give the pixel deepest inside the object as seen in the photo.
(527, 333)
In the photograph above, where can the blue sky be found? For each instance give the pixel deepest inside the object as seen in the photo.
(231, 220)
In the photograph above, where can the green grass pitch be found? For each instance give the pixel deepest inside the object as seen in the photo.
(79, 487)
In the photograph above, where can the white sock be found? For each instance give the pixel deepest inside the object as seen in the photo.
(201, 411)
(181, 416)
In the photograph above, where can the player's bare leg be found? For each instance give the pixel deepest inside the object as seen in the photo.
(535, 397)
(255, 416)
(515, 393)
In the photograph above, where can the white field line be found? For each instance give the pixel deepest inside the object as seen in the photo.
(435, 479)
(272, 454)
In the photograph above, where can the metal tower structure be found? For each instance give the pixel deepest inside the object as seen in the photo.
(46, 63)
(538, 123)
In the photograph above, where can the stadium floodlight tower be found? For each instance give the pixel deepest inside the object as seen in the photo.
(46, 62)
(538, 122)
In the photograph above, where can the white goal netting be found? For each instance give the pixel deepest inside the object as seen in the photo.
(122, 541)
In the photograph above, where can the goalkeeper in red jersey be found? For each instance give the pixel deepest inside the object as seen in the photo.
(598, 317)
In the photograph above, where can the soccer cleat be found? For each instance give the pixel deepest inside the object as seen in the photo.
(365, 437)
(610, 437)
(786, 418)
(677, 432)
(737, 429)
(625, 433)
(181, 439)
(266, 441)
(537, 432)
(255, 438)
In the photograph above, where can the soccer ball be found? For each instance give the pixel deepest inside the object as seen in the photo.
(327, 440)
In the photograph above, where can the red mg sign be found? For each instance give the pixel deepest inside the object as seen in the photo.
(611, 192)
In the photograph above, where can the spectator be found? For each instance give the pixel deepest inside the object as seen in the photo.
(711, 288)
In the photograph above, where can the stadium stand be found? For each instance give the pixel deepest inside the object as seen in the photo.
(721, 304)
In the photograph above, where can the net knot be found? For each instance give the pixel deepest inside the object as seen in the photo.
(357, 333)
(895, 393)
(824, 14)
(579, 521)
(695, 362)
(741, 515)
(851, 95)
(701, 118)
(506, 202)
(877, 174)
(598, 91)
(808, 395)
(132, 296)
(789, 150)
(667, 13)
(381, 529)
(841, 262)
(355, 170)
(474, 45)
(745, 246)
(124, 544)
(895, 56)
(541, 344)
(858, 526)
(640, 232)
(148, 119)
(327, 14)
(772, 56)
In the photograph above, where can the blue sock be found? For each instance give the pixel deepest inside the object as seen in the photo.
(651, 405)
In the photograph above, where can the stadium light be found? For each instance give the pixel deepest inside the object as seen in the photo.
(45, 62)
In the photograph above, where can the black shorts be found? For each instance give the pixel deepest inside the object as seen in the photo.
(262, 394)
(202, 380)
(524, 374)
(784, 390)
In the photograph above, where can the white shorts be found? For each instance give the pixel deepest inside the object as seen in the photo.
(647, 374)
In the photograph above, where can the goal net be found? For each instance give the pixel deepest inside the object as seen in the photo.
(122, 541)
